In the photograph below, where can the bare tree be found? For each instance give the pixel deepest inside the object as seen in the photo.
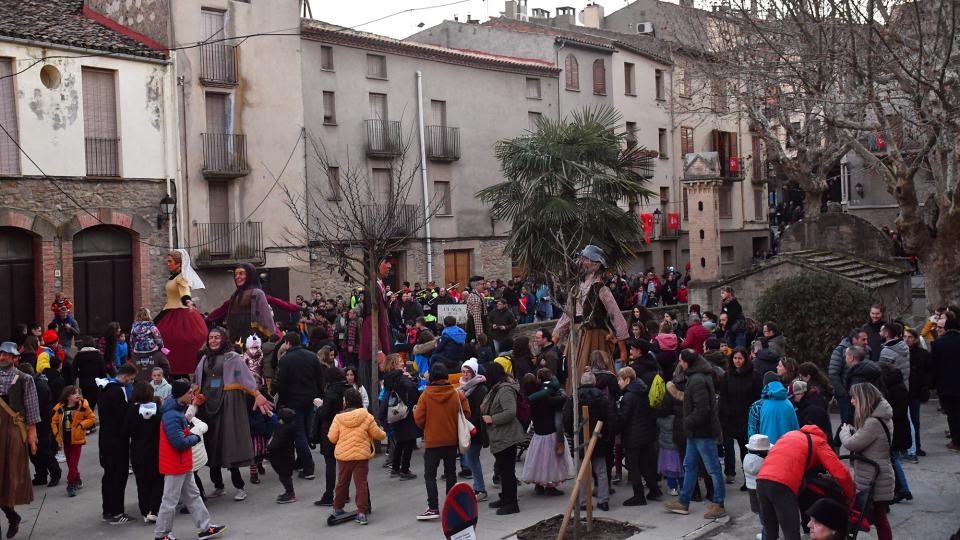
(351, 220)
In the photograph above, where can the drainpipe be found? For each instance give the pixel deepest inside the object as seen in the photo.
(560, 81)
(423, 176)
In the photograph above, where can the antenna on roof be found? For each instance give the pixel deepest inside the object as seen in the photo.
(306, 11)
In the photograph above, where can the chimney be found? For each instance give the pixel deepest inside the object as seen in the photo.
(539, 13)
(471, 20)
(686, 3)
(754, 8)
(566, 16)
(592, 16)
(515, 9)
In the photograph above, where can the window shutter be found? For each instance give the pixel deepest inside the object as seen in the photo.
(572, 70)
(99, 104)
(9, 154)
(599, 77)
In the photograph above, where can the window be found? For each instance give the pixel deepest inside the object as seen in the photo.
(759, 201)
(333, 177)
(683, 76)
(725, 194)
(664, 194)
(572, 72)
(9, 153)
(376, 66)
(533, 88)
(218, 205)
(757, 161)
(631, 134)
(684, 204)
(686, 140)
(726, 254)
(444, 205)
(629, 87)
(599, 77)
(100, 122)
(326, 57)
(329, 109)
(658, 80)
(720, 102)
(218, 112)
(382, 186)
(438, 112)
(533, 119)
(662, 142)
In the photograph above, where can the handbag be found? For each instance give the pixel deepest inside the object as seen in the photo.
(397, 410)
(465, 430)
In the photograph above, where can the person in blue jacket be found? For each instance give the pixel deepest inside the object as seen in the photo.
(773, 414)
(450, 347)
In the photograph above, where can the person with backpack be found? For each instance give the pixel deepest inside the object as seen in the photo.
(400, 392)
(780, 479)
(637, 426)
(503, 409)
(548, 464)
(600, 408)
(740, 387)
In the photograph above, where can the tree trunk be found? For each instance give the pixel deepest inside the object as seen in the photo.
(374, 296)
(939, 261)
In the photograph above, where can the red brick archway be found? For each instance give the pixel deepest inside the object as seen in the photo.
(44, 234)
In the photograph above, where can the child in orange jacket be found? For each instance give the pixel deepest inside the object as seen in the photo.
(72, 417)
(353, 431)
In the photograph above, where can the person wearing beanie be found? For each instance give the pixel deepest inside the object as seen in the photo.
(812, 407)
(176, 466)
(436, 414)
(828, 520)
(473, 385)
(48, 350)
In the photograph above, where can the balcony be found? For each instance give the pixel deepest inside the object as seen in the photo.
(218, 65)
(225, 155)
(391, 220)
(443, 143)
(227, 244)
(383, 138)
(103, 157)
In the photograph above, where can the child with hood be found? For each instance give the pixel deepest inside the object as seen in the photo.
(773, 414)
(450, 346)
(161, 388)
(142, 425)
(280, 452)
(261, 426)
(353, 433)
(667, 342)
(72, 417)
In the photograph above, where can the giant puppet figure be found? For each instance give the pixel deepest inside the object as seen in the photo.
(180, 325)
(19, 416)
(247, 311)
(367, 354)
(602, 325)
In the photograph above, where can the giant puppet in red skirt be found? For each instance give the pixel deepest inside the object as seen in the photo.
(182, 327)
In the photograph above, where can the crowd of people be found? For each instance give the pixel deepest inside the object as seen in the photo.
(685, 400)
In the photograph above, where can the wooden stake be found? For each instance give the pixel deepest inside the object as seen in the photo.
(584, 467)
(588, 497)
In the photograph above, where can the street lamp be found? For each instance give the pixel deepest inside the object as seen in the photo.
(168, 206)
(657, 216)
(859, 189)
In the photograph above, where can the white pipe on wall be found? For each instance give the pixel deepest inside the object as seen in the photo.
(423, 176)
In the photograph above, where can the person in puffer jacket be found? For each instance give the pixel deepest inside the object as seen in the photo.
(176, 464)
(142, 425)
(773, 414)
(353, 433)
(895, 351)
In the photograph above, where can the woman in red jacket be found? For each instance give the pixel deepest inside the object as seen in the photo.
(778, 482)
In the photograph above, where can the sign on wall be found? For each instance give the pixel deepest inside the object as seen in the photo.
(457, 310)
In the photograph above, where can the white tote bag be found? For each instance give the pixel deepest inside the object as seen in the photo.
(465, 429)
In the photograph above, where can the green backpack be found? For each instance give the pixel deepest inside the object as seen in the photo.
(657, 391)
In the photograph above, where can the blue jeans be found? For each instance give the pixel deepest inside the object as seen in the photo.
(304, 458)
(472, 461)
(898, 470)
(706, 449)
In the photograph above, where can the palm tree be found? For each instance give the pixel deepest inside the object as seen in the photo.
(564, 183)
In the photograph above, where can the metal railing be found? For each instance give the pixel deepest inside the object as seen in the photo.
(218, 64)
(383, 138)
(227, 243)
(391, 220)
(225, 155)
(103, 156)
(443, 143)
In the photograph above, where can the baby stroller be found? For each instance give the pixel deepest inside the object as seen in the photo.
(861, 508)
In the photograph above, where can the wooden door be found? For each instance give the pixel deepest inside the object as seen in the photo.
(277, 285)
(102, 278)
(456, 264)
(16, 279)
(220, 226)
(213, 23)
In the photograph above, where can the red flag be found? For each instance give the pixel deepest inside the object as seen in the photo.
(673, 221)
(646, 223)
(734, 164)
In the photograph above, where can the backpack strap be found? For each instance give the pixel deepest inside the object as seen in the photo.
(806, 466)
(886, 430)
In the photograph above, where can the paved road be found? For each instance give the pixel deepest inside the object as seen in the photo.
(932, 513)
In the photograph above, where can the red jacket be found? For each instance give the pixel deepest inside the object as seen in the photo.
(695, 338)
(173, 461)
(784, 463)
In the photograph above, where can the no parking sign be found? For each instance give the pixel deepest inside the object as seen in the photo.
(459, 515)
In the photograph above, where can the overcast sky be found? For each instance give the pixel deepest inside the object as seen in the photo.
(353, 12)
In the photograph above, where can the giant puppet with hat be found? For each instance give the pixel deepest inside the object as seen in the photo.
(598, 317)
(19, 416)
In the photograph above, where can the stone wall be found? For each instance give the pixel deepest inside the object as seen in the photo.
(842, 232)
(35, 204)
(150, 18)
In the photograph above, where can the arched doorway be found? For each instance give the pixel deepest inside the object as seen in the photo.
(102, 278)
(17, 284)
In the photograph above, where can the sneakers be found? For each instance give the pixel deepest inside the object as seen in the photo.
(150, 518)
(481, 495)
(429, 514)
(306, 476)
(508, 509)
(731, 478)
(552, 492)
(326, 500)
(407, 475)
(538, 489)
(54, 480)
(715, 511)
(255, 478)
(61, 457)
(466, 474)
(673, 492)
(677, 507)
(953, 448)
(168, 536)
(654, 494)
(121, 519)
(604, 506)
(636, 500)
(361, 519)
(219, 492)
(71, 491)
(261, 469)
(617, 478)
(212, 531)
(286, 498)
(911, 459)
(39, 482)
(240, 496)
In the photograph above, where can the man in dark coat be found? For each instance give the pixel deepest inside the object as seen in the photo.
(502, 323)
(872, 328)
(336, 386)
(637, 425)
(946, 362)
(701, 425)
(860, 369)
(114, 444)
(44, 462)
(600, 409)
(299, 381)
(920, 369)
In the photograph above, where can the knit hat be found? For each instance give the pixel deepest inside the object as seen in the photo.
(473, 365)
(799, 387)
(769, 377)
(179, 388)
(50, 337)
(254, 342)
(830, 513)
